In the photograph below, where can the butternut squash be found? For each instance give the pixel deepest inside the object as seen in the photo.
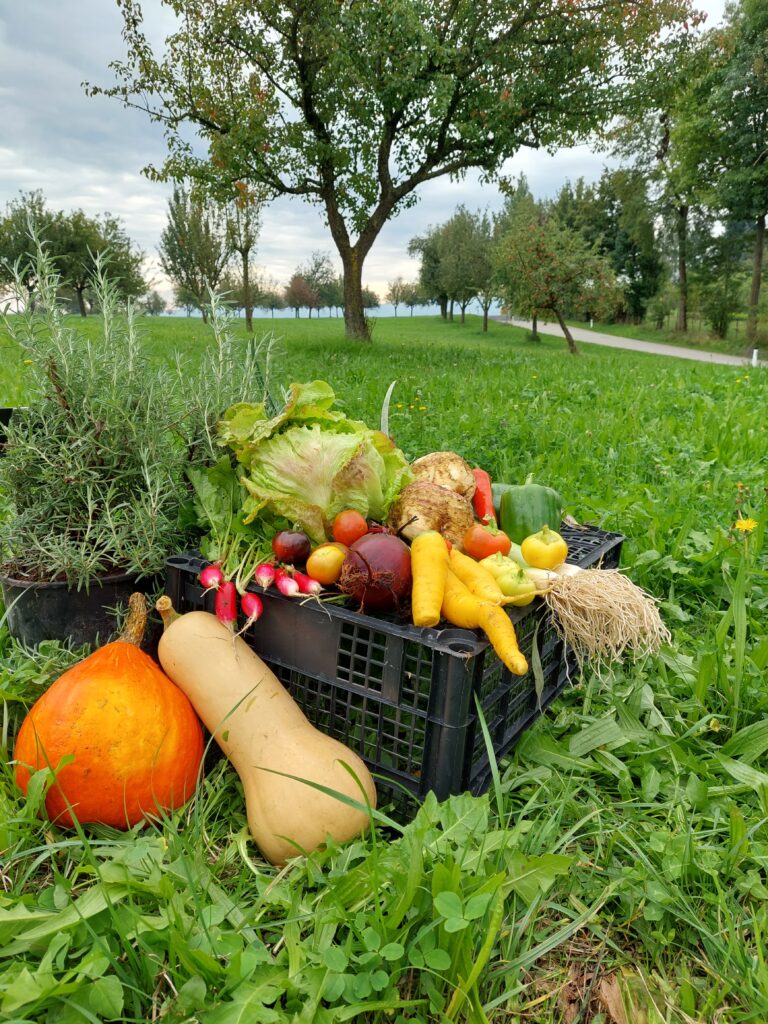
(263, 731)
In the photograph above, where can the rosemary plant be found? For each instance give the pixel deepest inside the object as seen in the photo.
(94, 472)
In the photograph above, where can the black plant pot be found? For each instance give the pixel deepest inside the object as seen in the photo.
(5, 419)
(51, 611)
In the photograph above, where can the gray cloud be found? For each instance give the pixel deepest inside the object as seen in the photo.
(88, 152)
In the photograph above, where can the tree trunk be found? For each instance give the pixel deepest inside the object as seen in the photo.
(247, 303)
(80, 292)
(535, 328)
(568, 336)
(463, 308)
(450, 310)
(757, 275)
(355, 322)
(682, 268)
(485, 319)
(443, 301)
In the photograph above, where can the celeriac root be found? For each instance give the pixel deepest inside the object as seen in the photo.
(600, 613)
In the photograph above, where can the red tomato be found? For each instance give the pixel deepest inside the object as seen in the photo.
(481, 541)
(349, 526)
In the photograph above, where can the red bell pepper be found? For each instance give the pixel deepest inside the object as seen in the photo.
(481, 541)
(482, 499)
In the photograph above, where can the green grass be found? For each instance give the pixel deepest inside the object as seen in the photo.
(623, 854)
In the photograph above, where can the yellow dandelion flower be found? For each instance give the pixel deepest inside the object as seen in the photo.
(422, 408)
(745, 525)
(27, 362)
(714, 725)
(398, 405)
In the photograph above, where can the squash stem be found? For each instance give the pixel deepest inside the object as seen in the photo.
(168, 613)
(136, 620)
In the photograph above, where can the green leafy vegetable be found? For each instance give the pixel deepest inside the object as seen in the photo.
(310, 462)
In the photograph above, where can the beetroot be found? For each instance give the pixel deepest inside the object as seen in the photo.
(377, 572)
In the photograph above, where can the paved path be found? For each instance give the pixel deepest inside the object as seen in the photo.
(596, 338)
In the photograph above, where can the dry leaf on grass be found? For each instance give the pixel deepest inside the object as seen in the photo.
(609, 994)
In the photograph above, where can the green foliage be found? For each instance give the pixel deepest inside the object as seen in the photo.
(75, 241)
(542, 266)
(196, 246)
(153, 304)
(93, 471)
(93, 476)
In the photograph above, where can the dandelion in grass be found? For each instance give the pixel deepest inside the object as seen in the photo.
(745, 525)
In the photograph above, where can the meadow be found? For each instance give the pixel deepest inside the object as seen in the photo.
(617, 871)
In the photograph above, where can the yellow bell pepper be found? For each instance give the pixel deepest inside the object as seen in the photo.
(545, 549)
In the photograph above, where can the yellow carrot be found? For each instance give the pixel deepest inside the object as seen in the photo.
(460, 606)
(500, 631)
(429, 564)
(476, 578)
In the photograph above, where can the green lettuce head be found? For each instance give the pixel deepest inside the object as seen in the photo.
(310, 462)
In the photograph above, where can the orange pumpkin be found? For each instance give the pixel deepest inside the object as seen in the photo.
(136, 740)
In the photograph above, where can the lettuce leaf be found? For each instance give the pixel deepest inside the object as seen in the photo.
(311, 462)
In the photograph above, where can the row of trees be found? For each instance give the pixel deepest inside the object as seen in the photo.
(525, 257)
(353, 106)
(74, 238)
(602, 250)
(211, 244)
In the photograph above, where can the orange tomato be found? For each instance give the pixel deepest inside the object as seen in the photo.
(324, 563)
(349, 526)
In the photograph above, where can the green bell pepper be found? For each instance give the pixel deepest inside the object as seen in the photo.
(524, 508)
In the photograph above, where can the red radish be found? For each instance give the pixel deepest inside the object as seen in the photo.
(265, 575)
(307, 585)
(251, 606)
(286, 584)
(211, 577)
(226, 603)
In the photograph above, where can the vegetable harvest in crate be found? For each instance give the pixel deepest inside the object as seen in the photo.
(321, 506)
(313, 507)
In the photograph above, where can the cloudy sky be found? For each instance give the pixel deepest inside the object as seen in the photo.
(88, 152)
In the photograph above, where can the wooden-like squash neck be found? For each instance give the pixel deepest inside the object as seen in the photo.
(136, 620)
(168, 613)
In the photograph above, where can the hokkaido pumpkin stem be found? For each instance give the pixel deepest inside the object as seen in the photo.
(168, 614)
(136, 620)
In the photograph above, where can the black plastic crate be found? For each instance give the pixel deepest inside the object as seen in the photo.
(403, 697)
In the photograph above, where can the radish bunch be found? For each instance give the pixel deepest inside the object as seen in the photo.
(225, 602)
(289, 582)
